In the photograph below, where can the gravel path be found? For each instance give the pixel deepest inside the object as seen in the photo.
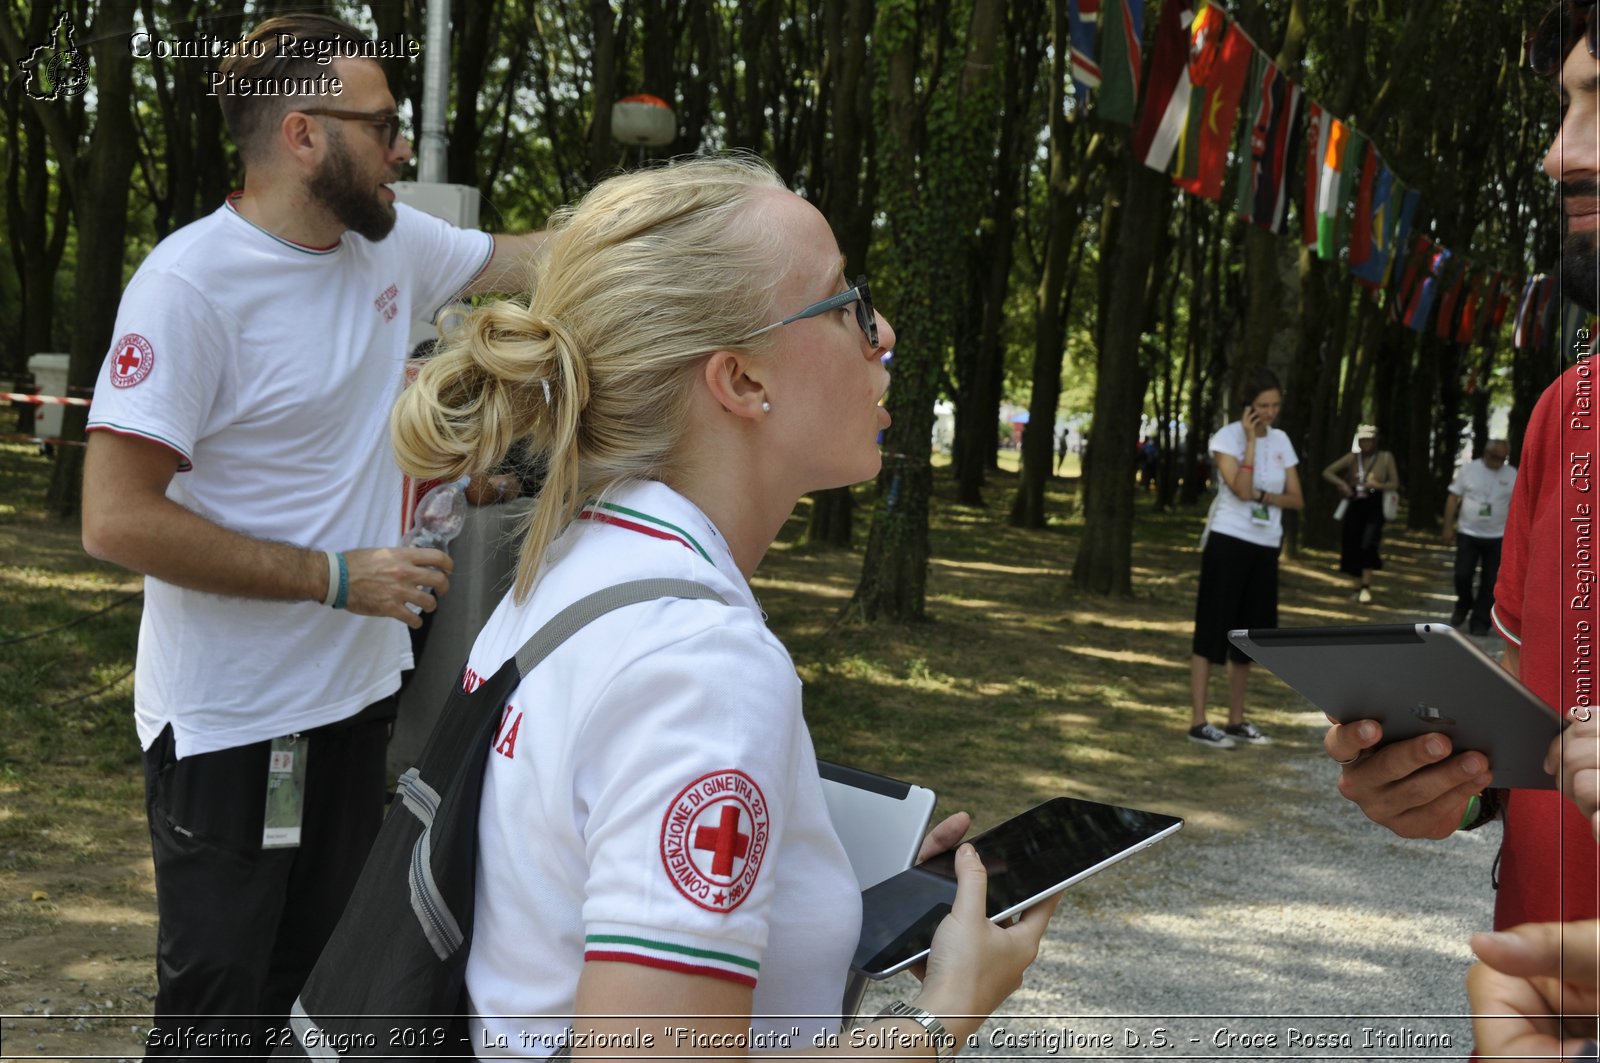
(1297, 929)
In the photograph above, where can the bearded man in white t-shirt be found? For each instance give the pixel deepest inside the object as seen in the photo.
(1475, 524)
(239, 457)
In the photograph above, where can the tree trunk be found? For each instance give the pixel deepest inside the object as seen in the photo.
(1414, 447)
(1104, 564)
(602, 153)
(978, 379)
(1426, 489)
(1049, 308)
(977, 398)
(934, 201)
(105, 171)
(1312, 400)
(37, 243)
(844, 188)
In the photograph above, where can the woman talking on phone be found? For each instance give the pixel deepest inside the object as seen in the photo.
(653, 835)
(1256, 482)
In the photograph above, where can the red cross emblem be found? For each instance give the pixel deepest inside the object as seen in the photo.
(132, 358)
(724, 841)
(713, 838)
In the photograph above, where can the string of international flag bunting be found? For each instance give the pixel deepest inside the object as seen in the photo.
(1203, 70)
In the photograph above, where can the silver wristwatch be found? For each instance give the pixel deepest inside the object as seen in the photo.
(942, 1042)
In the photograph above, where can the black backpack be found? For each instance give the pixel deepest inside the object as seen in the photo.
(390, 983)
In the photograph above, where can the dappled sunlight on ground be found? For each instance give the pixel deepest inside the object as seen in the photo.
(1169, 626)
(1126, 657)
(993, 567)
(835, 591)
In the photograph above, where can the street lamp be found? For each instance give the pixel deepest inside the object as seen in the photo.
(644, 121)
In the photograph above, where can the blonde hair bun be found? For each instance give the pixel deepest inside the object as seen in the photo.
(638, 281)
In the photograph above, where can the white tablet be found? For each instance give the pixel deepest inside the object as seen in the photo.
(880, 820)
(1415, 679)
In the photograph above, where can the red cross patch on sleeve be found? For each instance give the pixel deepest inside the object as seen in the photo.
(132, 358)
(713, 838)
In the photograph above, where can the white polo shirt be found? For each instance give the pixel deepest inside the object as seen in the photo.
(1274, 457)
(652, 795)
(1485, 495)
(269, 369)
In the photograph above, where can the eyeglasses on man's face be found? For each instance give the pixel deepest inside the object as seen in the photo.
(1557, 33)
(390, 122)
(866, 316)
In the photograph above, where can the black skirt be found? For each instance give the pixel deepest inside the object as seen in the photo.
(1362, 535)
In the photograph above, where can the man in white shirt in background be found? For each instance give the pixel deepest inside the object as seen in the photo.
(1475, 524)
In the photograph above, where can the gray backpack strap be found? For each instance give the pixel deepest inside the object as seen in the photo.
(564, 624)
(438, 922)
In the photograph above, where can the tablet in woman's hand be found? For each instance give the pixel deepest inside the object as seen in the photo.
(1030, 857)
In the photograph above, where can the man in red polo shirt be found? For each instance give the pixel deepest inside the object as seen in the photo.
(1547, 603)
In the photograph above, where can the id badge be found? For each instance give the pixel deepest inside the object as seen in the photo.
(1486, 510)
(1259, 515)
(286, 793)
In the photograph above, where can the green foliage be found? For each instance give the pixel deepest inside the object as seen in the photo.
(1435, 82)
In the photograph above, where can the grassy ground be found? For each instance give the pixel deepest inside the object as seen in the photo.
(1021, 686)
(1017, 688)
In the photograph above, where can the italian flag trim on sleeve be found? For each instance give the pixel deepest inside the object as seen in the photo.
(620, 948)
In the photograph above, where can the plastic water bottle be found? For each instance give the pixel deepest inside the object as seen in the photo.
(440, 515)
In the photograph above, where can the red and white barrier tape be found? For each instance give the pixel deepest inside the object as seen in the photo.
(40, 400)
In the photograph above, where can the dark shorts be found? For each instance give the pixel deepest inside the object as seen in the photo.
(1238, 588)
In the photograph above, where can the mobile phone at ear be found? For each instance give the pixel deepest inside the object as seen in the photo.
(1029, 858)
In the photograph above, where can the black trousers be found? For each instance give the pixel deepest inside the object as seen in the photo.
(1472, 552)
(241, 926)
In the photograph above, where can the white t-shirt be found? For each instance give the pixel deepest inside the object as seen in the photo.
(1262, 525)
(1485, 497)
(270, 368)
(652, 796)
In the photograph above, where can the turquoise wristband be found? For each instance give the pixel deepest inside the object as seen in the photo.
(344, 586)
(338, 580)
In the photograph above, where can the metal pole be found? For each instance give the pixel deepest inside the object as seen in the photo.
(435, 95)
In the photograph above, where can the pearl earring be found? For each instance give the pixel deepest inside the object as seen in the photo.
(766, 407)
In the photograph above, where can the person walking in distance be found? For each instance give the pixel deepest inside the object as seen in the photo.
(1475, 524)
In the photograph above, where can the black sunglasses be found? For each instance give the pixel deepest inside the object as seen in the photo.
(391, 122)
(866, 316)
(1552, 40)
